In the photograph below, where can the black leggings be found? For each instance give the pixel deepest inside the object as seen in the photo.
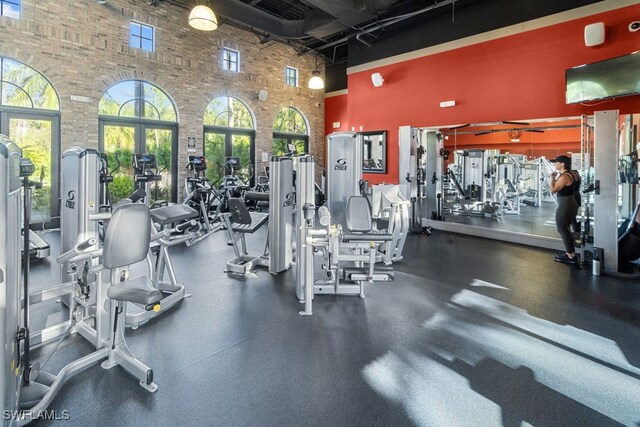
(565, 215)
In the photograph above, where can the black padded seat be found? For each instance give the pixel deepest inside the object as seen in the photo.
(173, 214)
(139, 290)
(244, 221)
(257, 220)
(359, 214)
(360, 223)
(256, 196)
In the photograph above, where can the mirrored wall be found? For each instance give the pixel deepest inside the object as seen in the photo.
(496, 176)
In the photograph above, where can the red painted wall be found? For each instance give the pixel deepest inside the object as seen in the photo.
(336, 110)
(513, 78)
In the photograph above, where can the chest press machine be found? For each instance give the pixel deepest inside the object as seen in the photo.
(347, 242)
(96, 311)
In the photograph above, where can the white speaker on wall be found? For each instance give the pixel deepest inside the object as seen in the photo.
(594, 34)
(262, 95)
(377, 79)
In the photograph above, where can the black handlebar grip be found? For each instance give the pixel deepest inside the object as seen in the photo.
(137, 195)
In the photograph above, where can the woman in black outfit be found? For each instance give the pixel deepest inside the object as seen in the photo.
(563, 185)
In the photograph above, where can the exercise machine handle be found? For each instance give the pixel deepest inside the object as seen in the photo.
(77, 250)
(324, 215)
(184, 226)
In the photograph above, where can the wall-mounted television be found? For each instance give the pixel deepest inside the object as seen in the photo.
(611, 78)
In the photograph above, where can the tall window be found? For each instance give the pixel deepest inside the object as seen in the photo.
(230, 60)
(290, 132)
(10, 8)
(141, 36)
(228, 132)
(139, 117)
(291, 76)
(30, 116)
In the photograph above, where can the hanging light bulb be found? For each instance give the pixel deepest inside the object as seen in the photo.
(316, 82)
(202, 18)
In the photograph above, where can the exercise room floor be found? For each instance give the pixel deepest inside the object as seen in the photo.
(472, 332)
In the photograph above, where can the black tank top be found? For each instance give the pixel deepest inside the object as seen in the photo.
(576, 190)
(568, 190)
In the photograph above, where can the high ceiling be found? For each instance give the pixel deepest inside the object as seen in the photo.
(329, 27)
(325, 26)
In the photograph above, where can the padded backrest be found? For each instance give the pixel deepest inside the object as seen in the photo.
(127, 238)
(358, 214)
(239, 212)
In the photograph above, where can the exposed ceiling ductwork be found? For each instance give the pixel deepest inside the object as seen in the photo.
(323, 19)
(324, 26)
(328, 26)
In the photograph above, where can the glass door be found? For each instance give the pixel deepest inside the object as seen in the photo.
(119, 146)
(220, 143)
(38, 138)
(120, 141)
(214, 152)
(159, 142)
(241, 148)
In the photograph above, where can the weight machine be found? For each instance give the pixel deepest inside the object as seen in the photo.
(95, 309)
(350, 246)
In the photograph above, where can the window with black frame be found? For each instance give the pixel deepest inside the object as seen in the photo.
(290, 133)
(374, 152)
(228, 132)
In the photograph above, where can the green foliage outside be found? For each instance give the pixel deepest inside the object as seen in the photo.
(159, 143)
(119, 141)
(289, 120)
(120, 188)
(242, 148)
(214, 156)
(280, 146)
(34, 137)
(228, 112)
(25, 87)
(120, 101)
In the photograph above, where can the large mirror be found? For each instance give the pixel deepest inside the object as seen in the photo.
(374, 152)
(496, 175)
(493, 180)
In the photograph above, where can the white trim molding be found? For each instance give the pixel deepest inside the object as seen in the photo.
(336, 93)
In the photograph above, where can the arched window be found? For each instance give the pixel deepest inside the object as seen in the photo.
(135, 98)
(290, 131)
(139, 117)
(228, 112)
(228, 132)
(30, 116)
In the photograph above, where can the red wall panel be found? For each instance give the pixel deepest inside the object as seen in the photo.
(336, 110)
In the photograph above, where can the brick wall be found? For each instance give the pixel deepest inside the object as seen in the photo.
(82, 47)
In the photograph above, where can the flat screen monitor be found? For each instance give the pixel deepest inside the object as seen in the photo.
(611, 78)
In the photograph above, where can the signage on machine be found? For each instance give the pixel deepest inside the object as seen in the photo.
(71, 195)
(341, 165)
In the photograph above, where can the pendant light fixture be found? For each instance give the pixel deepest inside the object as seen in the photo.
(202, 18)
(316, 82)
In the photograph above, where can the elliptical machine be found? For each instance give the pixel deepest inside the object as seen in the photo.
(202, 196)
